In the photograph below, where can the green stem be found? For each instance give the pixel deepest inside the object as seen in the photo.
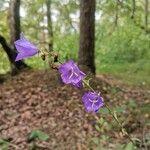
(88, 85)
(120, 124)
(112, 114)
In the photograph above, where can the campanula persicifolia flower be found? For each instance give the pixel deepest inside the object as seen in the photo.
(92, 101)
(25, 48)
(70, 73)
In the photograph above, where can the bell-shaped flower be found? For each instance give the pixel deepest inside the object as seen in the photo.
(70, 73)
(92, 101)
(25, 48)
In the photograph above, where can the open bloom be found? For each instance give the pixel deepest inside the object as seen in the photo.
(70, 73)
(92, 101)
(25, 48)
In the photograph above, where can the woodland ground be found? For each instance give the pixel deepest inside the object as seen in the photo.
(39, 100)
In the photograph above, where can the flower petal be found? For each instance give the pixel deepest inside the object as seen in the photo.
(92, 101)
(25, 48)
(70, 73)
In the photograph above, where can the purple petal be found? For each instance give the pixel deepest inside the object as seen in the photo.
(25, 48)
(64, 68)
(92, 101)
(65, 78)
(79, 84)
(70, 73)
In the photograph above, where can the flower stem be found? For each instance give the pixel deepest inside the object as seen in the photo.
(123, 130)
(87, 84)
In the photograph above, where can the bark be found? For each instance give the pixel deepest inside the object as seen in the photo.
(49, 25)
(117, 13)
(14, 21)
(146, 16)
(133, 9)
(146, 13)
(14, 25)
(69, 19)
(87, 35)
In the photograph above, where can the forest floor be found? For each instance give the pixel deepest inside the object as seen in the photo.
(38, 100)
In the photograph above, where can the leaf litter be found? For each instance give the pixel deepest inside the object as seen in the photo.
(38, 100)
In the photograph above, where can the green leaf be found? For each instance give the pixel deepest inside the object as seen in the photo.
(100, 121)
(37, 134)
(97, 128)
(103, 110)
(120, 109)
(95, 140)
(4, 145)
(129, 146)
(115, 115)
(132, 104)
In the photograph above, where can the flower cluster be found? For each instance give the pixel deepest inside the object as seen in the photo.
(70, 74)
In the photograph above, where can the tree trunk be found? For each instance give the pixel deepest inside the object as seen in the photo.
(133, 9)
(146, 16)
(15, 66)
(69, 18)
(14, 21)
(116, 13)
(49, 25)
(87, 35)
(14, 25)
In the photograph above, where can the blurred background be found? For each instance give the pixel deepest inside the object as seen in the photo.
(111, 39)
(122, 36)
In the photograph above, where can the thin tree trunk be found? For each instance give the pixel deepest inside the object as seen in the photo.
(146, 15)
(87, 35)
(7, 49)
(14, 25)
(49, 25)
(117, 13)
(14, 22)
(15, 66)
(69, 18)
(133, 9)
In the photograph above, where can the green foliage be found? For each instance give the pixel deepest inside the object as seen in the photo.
(130, 73)
(4, 63)
(37, 63)
(127, 44)
(67, 46)
(97, 143)
(129, 146)
(37, 134)
(103, 110)
(4, 145)
(3, 23)
(122, 50)
(116, 109)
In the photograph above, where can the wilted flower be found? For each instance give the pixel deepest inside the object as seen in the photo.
(25, 48)
(70, 73)
(92, 101)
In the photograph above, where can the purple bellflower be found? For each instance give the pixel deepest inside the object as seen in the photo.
(92, 101)
(25, 48)
(70, 73)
